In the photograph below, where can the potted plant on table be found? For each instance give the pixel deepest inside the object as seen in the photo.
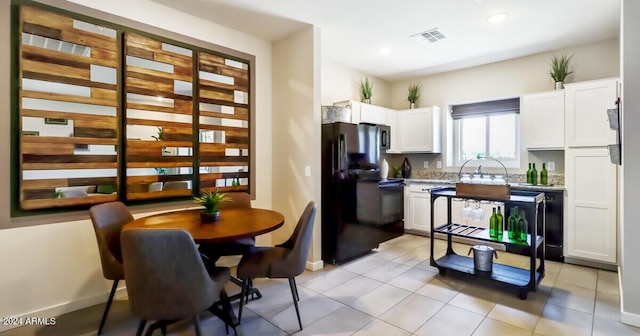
(366, 90)
(210, 201)
(413, 94)
(560, 69)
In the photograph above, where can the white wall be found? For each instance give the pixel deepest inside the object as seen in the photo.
(341, 83)
(511, 78)
(54, 268)
(296, 130)
(629, 178)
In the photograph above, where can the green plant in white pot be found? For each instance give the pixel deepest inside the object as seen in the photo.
(210, 201)
(366, 90)
(413, 94)
(560, 69)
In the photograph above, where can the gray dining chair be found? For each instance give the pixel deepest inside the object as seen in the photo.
(167, 280)
(286, 260)
(108, 220)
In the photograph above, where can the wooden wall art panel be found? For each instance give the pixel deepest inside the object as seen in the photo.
(108, 113)
(159, 153)
(68, 111)
(223, 124)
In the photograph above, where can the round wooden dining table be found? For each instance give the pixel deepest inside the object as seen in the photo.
(234, 223)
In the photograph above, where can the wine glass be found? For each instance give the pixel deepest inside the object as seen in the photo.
(478, 213)
(467, 211)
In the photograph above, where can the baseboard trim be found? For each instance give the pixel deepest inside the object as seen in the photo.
(630, 319)
(315, 265)
(67, 307)
(626, 318)
(589, 263)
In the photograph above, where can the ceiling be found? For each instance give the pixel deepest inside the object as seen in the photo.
(353, 31)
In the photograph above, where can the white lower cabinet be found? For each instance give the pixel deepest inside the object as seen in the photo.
(591, 211)
(417, 208)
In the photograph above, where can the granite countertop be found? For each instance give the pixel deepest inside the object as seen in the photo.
(514, 185)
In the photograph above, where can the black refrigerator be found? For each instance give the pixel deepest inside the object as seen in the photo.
(359, 210)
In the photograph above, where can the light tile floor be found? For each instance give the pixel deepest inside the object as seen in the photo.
(394, 291)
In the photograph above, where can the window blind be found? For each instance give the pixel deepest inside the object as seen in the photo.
(493, 107)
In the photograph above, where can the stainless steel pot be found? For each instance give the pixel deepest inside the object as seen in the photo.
(483, 257)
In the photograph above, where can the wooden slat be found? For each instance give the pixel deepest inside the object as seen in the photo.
(159, 160)
(35, 29)
(70, 115)
(213, 86)
(135, 39)
(67, 80)
(45, 183)
(159, 194)
(209, 61)
(140, 164)
(161, 123)
(88, 39)
(154, 93)
(56, 166)
(158, 144)
(66, 202)
(67, 140)
(46, 148)
(222, 115)
(45, 18)
(57, 70)
(68, 98)
(222, 102)
(62, 58)
(226, 189)
(109, 124)
(146, 179)
(93, 132)
(158, 88)
(209, 163)
(226, 96)
(100, 55)
(145, 107)
(67, 158)
(218, 147)
(220, 128)
(133, 70)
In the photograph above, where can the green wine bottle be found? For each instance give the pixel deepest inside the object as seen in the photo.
(544, 175)
(534, 175)
(493, 225)
(500, 222)
(529, 173)
(523, 227)
(513, 223)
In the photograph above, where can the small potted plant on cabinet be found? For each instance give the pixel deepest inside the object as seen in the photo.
(560, 69)
(210, 201)
(366, 90)
(413, 95)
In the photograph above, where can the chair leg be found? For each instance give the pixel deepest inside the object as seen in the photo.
(106, 309)
(196, 324)
(141, 327)
(163, 329)
(295, 286)
(292, 284)
(243, 292)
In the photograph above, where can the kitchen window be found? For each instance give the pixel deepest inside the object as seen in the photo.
(487, 129)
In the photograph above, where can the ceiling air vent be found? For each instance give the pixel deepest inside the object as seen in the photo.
(431, 35)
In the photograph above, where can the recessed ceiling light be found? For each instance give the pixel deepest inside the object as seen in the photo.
(497, 18)
(384, 51)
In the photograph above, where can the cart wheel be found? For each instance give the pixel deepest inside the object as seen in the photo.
(523, 294)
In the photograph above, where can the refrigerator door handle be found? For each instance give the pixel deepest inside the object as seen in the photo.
(342, 152)
(384, 139)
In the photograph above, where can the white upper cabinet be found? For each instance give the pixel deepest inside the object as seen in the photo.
(543, 120)
(373, 114)
(420, 130)
(586, 106)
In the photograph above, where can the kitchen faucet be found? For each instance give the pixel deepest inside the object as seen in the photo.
(479, 170)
